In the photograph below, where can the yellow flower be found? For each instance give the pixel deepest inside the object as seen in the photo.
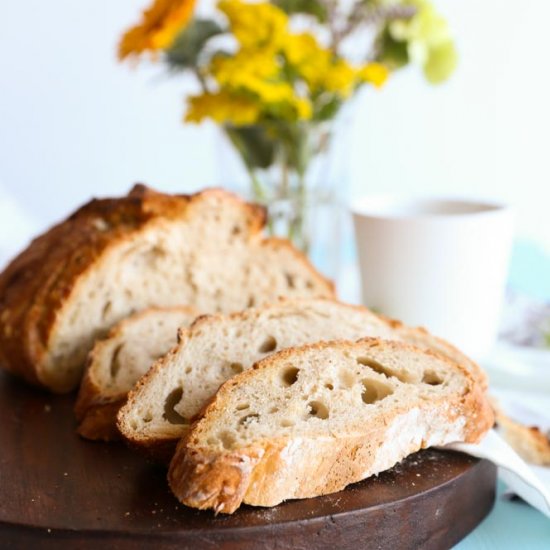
(317, 66)
(260, 25)
(223, 107)
(159, 26)
(307, 57)
(304, 110)
(231, 70)
(230, 74)
(340, 78)
(257, 74)
(374, 73)
(303, 49)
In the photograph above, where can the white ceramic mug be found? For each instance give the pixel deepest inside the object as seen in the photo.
(438, 263)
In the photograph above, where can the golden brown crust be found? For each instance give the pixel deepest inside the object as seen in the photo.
(528, 441)
(162, 448)
(418, 335)
(218, 481)
(222, 480)
(98, 422)
(38, 283)
(95, 410)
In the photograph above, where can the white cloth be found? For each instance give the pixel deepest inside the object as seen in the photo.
(515, 473)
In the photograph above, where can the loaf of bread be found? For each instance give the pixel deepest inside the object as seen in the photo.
(161, 407)
(309, 421)
(119, 360)
(117, 256)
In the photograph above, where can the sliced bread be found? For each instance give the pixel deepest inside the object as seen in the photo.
(532, 444)
(119, 360)
(161, 407)
(309, 421)
(117, 256)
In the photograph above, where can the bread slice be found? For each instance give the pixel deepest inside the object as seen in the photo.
(117, 256)
(160, 409)
(119, 360)
(311, 420)
(528, 441)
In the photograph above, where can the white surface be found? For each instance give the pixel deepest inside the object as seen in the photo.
(437, 263)
(75, 123)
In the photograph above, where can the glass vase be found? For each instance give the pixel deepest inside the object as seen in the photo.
(295, 170)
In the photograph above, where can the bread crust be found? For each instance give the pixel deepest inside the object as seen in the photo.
(95, 408)
(41, 280)
(163, 448)
(528, 441)
(222, 480)
(98, 422)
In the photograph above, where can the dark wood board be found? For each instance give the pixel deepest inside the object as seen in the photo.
(59, 491)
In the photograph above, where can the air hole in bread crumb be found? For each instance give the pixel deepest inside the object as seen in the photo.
(251, 302)
(374, 390)
(268, 345)
(318, 410)
(149, 257)
(227, 439)
(147, 417)
(286, 423)
(188, 370)
(236, 230)
(236, 367)
(115, 361)
(273, 410)
(170, 414)
(290, 280)
(242, 406)
(289, 376)
(432, 379)
(379, 368)
(347, 379)
(249, 419)
(106, 310)
(329, 386)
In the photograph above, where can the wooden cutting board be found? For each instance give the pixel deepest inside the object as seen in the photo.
(59, 491)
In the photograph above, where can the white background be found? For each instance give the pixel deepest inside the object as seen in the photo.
(74, 123)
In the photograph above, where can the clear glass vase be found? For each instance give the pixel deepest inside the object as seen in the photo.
(295, 171)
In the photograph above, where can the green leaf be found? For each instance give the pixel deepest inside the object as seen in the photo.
(310, 7)
(256, 148)
(328, 110)
(391, 52)
(187, 46)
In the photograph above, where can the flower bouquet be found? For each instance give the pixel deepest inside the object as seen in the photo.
(275, 75)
